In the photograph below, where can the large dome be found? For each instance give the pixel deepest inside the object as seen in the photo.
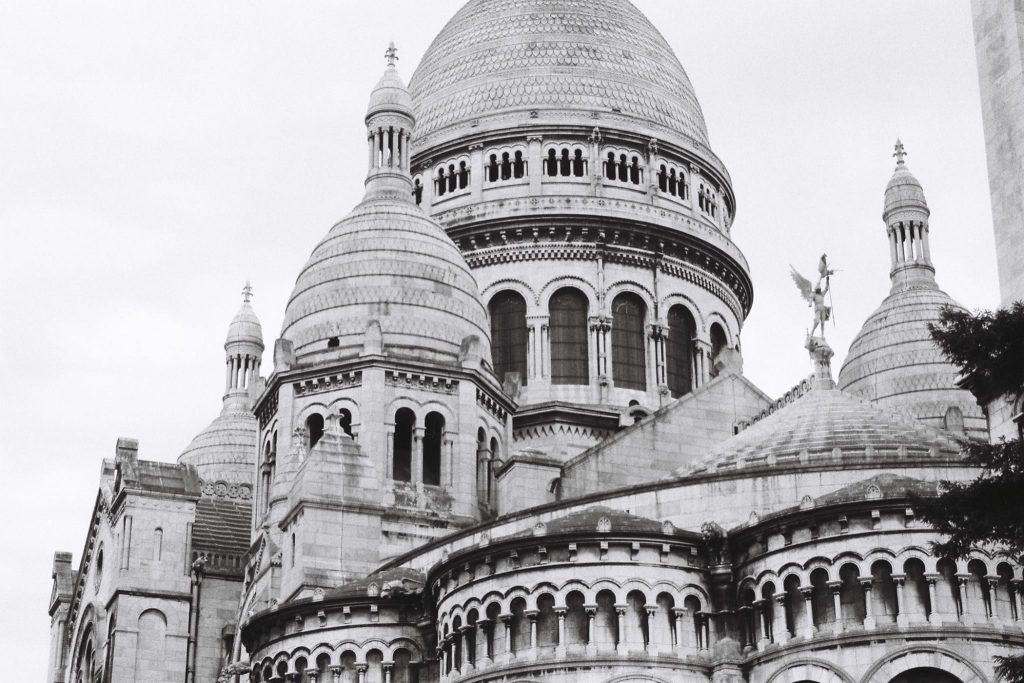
(386, 262)
(522, 59)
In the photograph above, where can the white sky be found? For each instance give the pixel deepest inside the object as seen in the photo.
(154, 156)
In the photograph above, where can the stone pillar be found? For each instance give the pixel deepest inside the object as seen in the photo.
(993, 588)
(591, 611)
(837, 605)
(466, 660)
(621, 646)
(535, 163)
(388, 666)
(902, 618)
(965, 611)
(560, 648)
(761, 615)
(483, 655)
(476, 172)
(1018, 604)
(545, 350)
(869, 619)
(416, 466)
(705, 631)
(596, 174)
(925, 242)
(658, 334)
(684, 639)
(806, 592)
(506, 619)
(934, 617)
(532, 616)
(335, 674)
(704, 354)
(780, 629)
(650, 645)
(361, 672)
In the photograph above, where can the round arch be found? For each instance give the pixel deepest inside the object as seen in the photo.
(810, 670)
(927, 657)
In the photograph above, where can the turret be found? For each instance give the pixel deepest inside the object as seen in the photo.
(389, 124)
(243, 349)
(906, 219)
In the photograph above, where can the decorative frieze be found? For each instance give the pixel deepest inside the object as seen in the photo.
(415, 380)
(318, 385)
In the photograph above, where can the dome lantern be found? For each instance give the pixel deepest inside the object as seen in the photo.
(906, 218)
(243, 349)
(389, 124)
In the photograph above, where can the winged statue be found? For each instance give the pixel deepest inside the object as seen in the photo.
(814, 294)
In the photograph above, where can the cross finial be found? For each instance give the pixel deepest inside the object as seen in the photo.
(391, 54)
(900, 153)
(247, 292)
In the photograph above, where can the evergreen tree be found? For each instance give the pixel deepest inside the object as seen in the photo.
(989, 511)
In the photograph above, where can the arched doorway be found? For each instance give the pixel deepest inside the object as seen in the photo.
(926, 675)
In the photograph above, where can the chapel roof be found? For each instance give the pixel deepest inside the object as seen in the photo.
(522, 58)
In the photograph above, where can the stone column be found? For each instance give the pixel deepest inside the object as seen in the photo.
(506, 619)
(535, 163)
(1018, 604)
(869, 619)
(621, 646)
(925, 242)
(335, 674)
(427, 182)
(965, 611)
(650, 645)
(532, 616)
(417, 455)
(705, 631)
(388, 666)
(902, 618)
(809, 630)
(684, 639)
(361, 672)
(704, 353)
(545, 350)
(560, 648)
(837, 604)
(483, 655)
(761, 615)
(466, 660)
(934, 617)
(658, 334)
(780, 629)
(591, 611)
(993, 598)
(596, 173)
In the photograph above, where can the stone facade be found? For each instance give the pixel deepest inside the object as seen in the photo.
(507, 435)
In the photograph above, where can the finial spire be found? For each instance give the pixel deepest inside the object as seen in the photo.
(247, 292)
(900, 153)
(391, 54)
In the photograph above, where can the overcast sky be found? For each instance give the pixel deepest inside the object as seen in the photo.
(154, 156)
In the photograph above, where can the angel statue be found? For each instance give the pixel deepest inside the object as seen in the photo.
(815, 295)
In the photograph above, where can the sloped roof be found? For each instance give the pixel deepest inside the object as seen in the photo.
(825, 425)
(222, 525)
(159, 477)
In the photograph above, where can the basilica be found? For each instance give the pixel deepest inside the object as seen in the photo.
(504, 432)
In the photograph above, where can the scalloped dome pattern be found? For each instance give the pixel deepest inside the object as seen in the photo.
(245, 327)
(904, 191)
(386, 262)
(226, 449)
(893, 360)
(502, 56)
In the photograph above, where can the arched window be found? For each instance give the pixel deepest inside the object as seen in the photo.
(552, 162)
(401, 452)
(610, 166)
(417, 192)
(433, 439)
(452, 178)
(629, 360)
(719, 341)
(463, 175)
(568, 333)
(679, 350)
(518, 166)
(564, 163)
(506, 166)
(315, 428)
(158, 544)
(663, 179)
(442, 184)
(578, 165)
(508, 334)
(492, 169)
(635, 172)
(672, 181)
(345, 420)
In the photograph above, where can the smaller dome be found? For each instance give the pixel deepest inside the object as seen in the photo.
(390, 94)
(904, 191)
(226, 449)
(245, 327)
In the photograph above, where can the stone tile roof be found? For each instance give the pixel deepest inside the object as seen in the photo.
(885, 485)
(571, 56)
(221, 531)
(226, 449)
(159, 477)
(827, 426)
(598, 518)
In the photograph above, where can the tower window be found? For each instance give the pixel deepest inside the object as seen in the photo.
(629, 365)
(519, 166)
(492, 169)
(568, 334)
(509, 334)
(578, 164)
(417, 192)
(552, 162)
(679, 350)
(345, 420)
(315, 428)
(401, 451)
(433, 440)
(506, 166)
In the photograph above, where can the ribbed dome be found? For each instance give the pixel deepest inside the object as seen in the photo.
(827, 427)
(245, 327)
(508, 58)
(226, 449)
(893, 360)
(386, 262)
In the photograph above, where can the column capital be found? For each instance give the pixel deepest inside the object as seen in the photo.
(531, 614)
(591, 610)
(806, 591)
(779, 598)
(561, 611)
(835, 586)
(362, 668)
(867, 584)
(475, 147)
